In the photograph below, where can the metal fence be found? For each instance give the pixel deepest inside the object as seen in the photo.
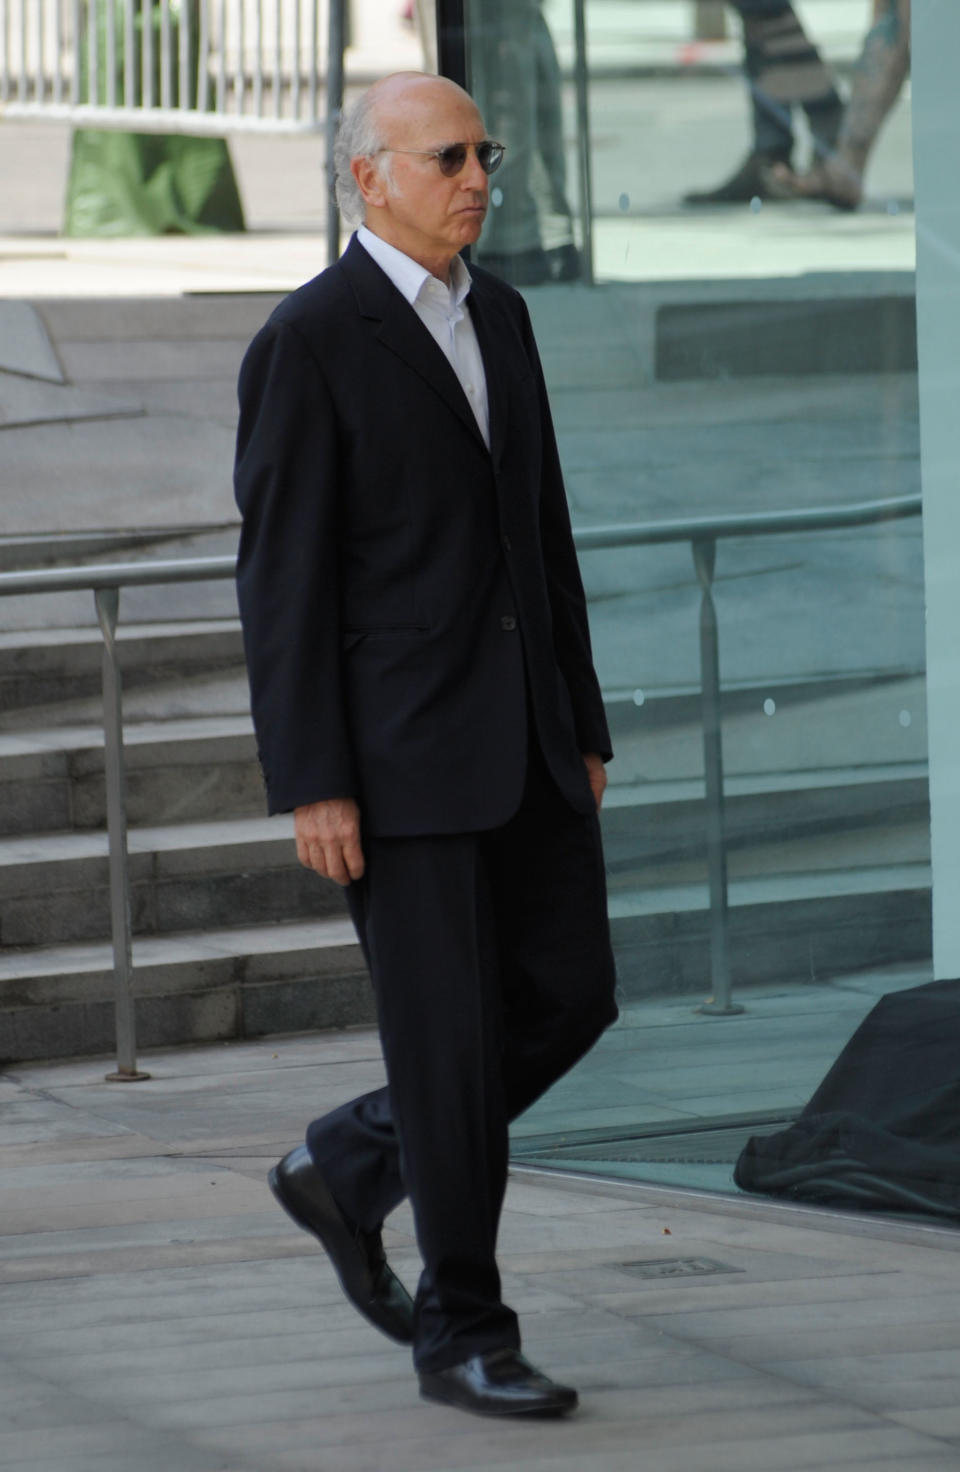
(703, 534)
(186, 66)
(209, 67)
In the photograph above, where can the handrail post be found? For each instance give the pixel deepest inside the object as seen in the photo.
(108, 605)
(719, 1003)
(584, 162)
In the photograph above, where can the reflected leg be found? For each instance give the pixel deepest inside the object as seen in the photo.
(502, 67)
(784, 70)
(881, 71)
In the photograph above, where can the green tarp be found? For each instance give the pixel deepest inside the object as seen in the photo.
(147, 183)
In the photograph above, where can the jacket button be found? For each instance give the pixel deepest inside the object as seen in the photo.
(508, 622)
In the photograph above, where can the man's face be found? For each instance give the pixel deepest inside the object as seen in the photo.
(424, 214)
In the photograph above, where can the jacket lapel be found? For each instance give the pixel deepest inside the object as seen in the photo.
(400, 330)
(492, 334)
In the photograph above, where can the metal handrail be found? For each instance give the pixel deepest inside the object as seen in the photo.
(117, 575)
(750, 524)
(703, 533)
(106, 579)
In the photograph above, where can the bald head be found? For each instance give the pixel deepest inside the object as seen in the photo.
(393, 109)
(393, 97)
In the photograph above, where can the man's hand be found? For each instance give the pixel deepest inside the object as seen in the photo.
(328, 838)
(596, 776)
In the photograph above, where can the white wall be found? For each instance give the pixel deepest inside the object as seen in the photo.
(936, 132)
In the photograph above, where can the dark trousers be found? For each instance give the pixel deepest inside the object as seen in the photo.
(491, 962)
(785, 70)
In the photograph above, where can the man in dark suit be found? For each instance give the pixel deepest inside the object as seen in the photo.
(425, 702)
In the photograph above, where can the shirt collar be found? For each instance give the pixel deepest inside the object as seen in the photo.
(407, 275)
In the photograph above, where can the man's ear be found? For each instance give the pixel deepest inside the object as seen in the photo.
(369, 182)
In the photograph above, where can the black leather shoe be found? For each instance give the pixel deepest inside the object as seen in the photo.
(365, 1276)
(498, 1383)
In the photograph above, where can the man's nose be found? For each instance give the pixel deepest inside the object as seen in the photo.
(474, 177)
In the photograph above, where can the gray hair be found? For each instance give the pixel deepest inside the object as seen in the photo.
(358, 136)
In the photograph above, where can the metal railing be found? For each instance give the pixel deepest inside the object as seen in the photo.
(105, 582)
(212, 67)
(186, 66)
(702, 533)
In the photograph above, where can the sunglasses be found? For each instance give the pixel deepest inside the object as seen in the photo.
(453, 156)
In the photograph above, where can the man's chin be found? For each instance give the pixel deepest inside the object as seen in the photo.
(470, 228)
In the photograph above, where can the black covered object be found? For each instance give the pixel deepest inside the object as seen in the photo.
(883, 1129)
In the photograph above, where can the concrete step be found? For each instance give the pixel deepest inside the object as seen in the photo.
(191, 756)
(762, 334)
(665, 822)
(41, 666)
(205, 695)
(54, 888)
(191, 987)
(77, 548)
(828, 856)
(657, 707)
(791, 926)
(177, 771)
(799, 910)
(54, 885)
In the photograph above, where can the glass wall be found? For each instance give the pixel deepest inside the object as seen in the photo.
(716, 241)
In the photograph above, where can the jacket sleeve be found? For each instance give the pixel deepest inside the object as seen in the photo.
(568, 604)
(285, 481)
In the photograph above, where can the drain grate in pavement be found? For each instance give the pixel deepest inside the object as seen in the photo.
(676, 1267)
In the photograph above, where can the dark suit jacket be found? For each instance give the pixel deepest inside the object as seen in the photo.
(408, 597)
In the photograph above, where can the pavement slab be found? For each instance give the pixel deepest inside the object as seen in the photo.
(27, 401)
(25, 346)
(156, 1308)
(136, 473)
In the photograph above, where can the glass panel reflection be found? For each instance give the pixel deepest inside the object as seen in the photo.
(747, 347)
(528, 238)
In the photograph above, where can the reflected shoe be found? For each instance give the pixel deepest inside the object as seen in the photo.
(831, 181)
(358, 1258)
(751, 181)
(498, 1383)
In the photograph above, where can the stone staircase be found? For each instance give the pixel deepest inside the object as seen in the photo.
(828, 863)
(231, 936)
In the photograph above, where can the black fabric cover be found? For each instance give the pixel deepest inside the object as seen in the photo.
(883, 1129)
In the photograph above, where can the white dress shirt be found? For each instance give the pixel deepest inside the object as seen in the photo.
(441, 310)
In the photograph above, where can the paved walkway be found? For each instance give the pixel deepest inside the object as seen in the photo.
(157, 1311)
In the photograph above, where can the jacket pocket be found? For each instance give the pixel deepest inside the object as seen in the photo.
(354, 634)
